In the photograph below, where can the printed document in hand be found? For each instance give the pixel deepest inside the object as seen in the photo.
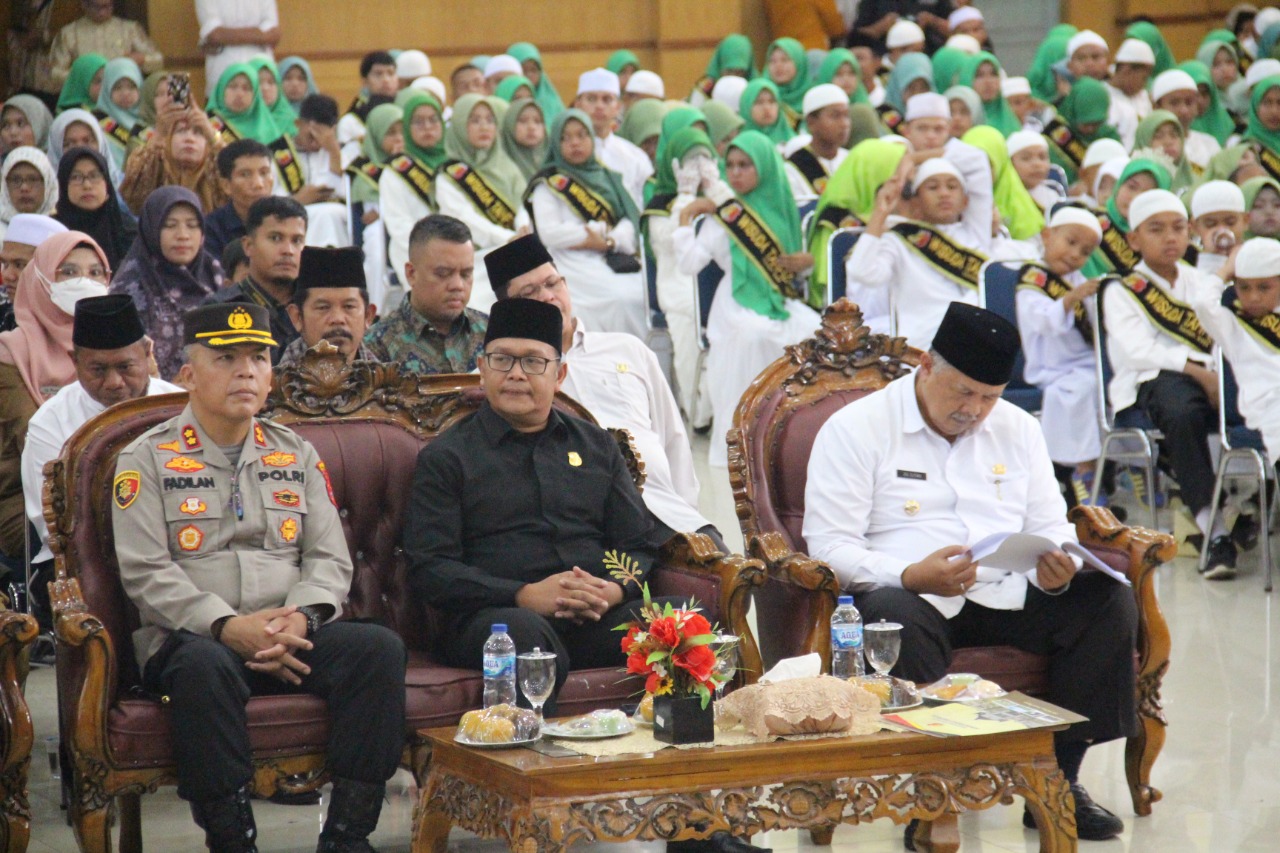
(1018, 552)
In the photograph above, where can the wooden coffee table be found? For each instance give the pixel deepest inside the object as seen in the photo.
(538, 803)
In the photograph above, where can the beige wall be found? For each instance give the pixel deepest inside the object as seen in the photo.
(1183, 22)
(672, 37)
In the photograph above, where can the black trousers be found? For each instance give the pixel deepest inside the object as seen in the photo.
(1180, 409)
(357, 668)
(587, 646)
(1088, 633)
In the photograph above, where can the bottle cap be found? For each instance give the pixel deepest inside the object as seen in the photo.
(498, 628)
(845, 599)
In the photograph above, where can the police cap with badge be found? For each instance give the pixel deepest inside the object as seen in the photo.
(227, 324)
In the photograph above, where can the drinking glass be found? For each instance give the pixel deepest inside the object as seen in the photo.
(883, 642)
(537, 673)
(726, 648)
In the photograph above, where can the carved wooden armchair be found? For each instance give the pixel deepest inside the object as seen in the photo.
(368, 423)
(17, 632)
(774, 429)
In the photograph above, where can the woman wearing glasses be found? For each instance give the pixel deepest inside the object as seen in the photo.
(35, 358)
(27, 185)
(87, 202)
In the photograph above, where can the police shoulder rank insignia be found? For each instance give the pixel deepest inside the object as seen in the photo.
(287, 498)
(190, 538)
(184, 464)
(126, 487)
(193, 506)
(328, 486)
(278, 459)
(574, 459)
(289, 529)
(190, 439)
(174, 446)
(259, 437)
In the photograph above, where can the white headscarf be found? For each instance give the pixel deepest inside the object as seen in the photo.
(37, 158)
(58, 132)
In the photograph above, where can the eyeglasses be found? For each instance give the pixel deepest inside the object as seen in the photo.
(97, 272)
(426, 121)
(77, 178)
(16, 181)
(532, 365)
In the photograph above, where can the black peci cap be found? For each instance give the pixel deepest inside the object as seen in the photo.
(515, 259)
(227, 324)
(980, 344)
(528, 319)
(106, 323)
(325, 267)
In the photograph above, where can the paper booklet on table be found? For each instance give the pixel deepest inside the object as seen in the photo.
(1010, 713)
(1018, 552)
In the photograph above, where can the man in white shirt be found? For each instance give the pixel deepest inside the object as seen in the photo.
(1135, 60)
(1087, 56)
(598, 94)
(112, 355)
(903, 481)
(234, 31)
(620, 382)
(813, 158)
(1176, 91)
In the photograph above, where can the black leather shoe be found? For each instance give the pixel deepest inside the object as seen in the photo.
(1245, 532)
(908, 837)
(719, 842)
(1221, 565)
(1093, 822)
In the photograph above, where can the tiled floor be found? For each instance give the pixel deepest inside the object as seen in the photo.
(1220, 769)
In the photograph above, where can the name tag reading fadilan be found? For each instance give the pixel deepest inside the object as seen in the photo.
(912, 475)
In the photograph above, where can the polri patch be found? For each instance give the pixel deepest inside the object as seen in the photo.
(125, 489)
(289, 529)
(190, 538)
(193, 506)
(328, 486)
(287, 498)
(279, 459)
(185, 464)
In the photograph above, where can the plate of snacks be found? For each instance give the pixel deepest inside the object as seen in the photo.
(962, 687)
(500, 727)
(593, 726)
(895, 694)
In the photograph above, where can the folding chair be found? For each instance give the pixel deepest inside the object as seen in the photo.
(838, 249)
(1132, 426)
(1239, 444)
(997, 286)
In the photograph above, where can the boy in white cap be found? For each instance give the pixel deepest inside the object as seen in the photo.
(1089, 56)
(1057, 342)
(598, 93)
(1029, 153)
(1017, 94)
(499, 68)
(25, 233)
(1135, 60)
(410, 65)
(927, 126)
(1098, 152)
(1218, 221)
(643, 84)
(1175, 91)
(964, 44)
(810, 163)
(1243, 315)
(1163, 358)
(968, 21)
(926, 245)
(904, 37)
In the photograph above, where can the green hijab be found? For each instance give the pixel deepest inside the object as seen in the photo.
(431, 157)
(380, 119)
(910, 68)
(972, 100)
(853, 186)
(1252, 187)
(1044, 83)
(1216, 121)
(643, 120)
(1017, 208)
(288, 64)
(830, 65)
(147, 98)
(1230, 96)
(507, 88)
(605, 182)
(680, 144)
(1088, 102)
(678, 118)
(1183, 176)
(620, 59)
(283, 115)
(948, 62)
(998, 113)
(734, 53)
(780, 131)
(774, 205)
(123, 68)
(255, 122)
(722, 121)
(545, 92)
(1256, 130)
(492, 163)
(864, 124)
(1150, 33)
(792, 93)
(527, 160)
(75, 92)
(1098, 265)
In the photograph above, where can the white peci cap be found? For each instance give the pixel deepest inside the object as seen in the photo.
(32, 229)
(1102, 150)
(599, 80)
(1021, 140)
(728, 91)
(1265, 18)
(1071, 215)
(1085, 38)
(934, 167)
(963, 15)
(1259, 257)
(433, 85)
(1152, 202)
(644, 82)
(824, 95)
(1217, 197)
(927, 105)
(1173, 80)
(503, 64)
(904, 33)
(411, 64)
(1011, 86)
(1135, 52)
(1112, 168)
(1261, 70)
(965, 43)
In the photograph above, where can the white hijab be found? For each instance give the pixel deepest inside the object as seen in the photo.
(37, 158)
(59, 131)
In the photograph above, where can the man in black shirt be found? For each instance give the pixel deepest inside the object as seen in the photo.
(513, 510)
(875, 17)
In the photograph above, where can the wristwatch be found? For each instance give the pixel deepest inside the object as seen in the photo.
(315, 618)
(610, 244)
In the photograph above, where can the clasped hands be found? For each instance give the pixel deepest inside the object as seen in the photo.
(951, 570)
(267, 641)
(575, 595)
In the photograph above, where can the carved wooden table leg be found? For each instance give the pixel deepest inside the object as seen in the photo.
(431, 823)
(1049, 799)
(821, 835)
(940, 835)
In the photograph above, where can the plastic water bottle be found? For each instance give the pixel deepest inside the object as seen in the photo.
(500, 667)
(846, 639)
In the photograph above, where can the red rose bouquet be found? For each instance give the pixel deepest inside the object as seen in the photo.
(669, 646)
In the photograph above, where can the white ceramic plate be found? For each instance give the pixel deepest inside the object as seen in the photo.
(558, 730)
(511, 744)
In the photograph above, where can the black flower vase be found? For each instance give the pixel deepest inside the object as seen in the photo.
(682, 719)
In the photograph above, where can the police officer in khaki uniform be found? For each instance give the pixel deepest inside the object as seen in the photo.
(229, 545)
